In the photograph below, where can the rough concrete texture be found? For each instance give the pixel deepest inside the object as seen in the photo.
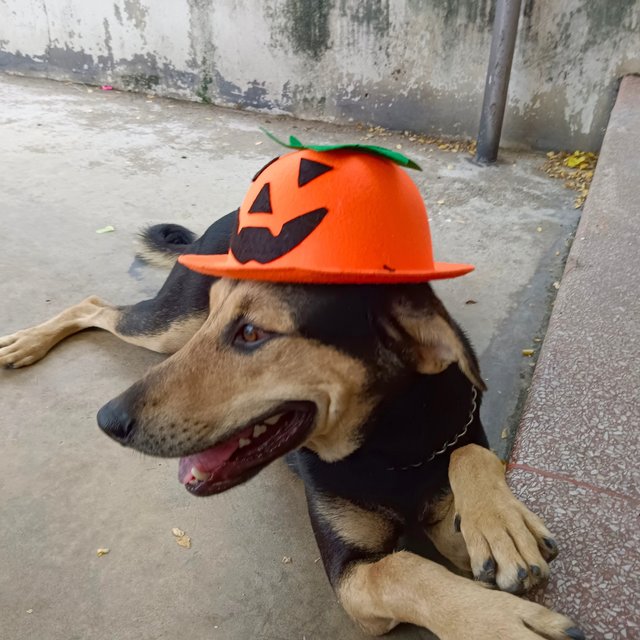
(75, 160)
(576, 457)
(405, 64)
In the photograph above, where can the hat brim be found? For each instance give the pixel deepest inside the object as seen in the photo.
(223, 266)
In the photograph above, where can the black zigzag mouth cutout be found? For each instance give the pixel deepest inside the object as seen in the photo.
(259, 244)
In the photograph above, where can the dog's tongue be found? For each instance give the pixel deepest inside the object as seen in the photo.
(207, 461)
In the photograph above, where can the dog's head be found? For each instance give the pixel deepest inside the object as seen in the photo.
(276, 367)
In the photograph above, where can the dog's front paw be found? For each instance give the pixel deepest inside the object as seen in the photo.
(23, 348)
(507, 544)
(490, 615)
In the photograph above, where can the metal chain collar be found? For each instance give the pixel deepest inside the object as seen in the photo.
(449, 443)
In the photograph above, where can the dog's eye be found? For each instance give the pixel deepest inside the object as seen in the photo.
(249, 335)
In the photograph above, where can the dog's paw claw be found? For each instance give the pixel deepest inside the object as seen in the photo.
(551, 549)
(574, 633)
(508, 546)
(520, 584)
(488, 572)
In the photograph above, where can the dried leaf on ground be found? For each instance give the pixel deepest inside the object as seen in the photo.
(102, 552)
(108, 229)
(575, 160)
(504, 434)
(184, 541)
(286, 560)
(444, 143)
(454, 145)
(576, 169)
(527, 352)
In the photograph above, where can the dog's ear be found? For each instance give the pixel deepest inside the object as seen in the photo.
(425, 329)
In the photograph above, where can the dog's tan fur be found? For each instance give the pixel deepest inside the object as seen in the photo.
(493, 522)
(435, 343)
(30, 345)
(441, 530)
(403, 587)
(354, 525)
(27, 346)
(208, 389)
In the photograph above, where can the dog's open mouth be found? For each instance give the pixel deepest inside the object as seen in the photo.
(249, 450)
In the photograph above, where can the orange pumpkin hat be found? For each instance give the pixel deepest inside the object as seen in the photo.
(348, 214)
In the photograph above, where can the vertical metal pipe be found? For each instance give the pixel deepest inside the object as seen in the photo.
(503, 42)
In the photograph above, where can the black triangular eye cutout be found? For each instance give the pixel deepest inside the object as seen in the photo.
(262, 203)
(310, 170)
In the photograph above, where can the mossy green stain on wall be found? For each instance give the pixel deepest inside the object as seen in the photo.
(473, 12)
(371, 14)
(307, 23)
(404, 64)
(609, 19)
(139, 81)
(607, 14)
(206, 80)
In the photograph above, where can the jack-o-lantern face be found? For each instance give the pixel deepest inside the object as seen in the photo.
(339, 216)
(268, 243)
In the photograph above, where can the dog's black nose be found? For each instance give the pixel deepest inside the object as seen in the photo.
(115, 421)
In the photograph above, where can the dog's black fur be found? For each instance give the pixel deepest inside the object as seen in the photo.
(399, 477)
(420, 413)
(185, 292)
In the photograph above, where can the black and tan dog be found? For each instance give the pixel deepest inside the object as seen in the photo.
(374, 393)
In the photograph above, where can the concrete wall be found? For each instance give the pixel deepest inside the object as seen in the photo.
(403, 64)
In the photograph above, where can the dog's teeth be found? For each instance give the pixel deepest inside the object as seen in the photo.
(258, 430)
(199, 475)
(273, 419)
(244, 442)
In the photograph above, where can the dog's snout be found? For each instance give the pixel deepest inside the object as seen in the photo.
(116, 421)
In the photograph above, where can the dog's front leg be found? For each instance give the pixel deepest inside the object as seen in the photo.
(380, 589)
(507, 544)
(347, 535)
(30, 345)
(403, 587)
(145, 324)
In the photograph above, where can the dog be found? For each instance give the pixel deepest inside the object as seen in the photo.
(373, 393)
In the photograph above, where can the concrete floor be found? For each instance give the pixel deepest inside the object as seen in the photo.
(75, 159)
